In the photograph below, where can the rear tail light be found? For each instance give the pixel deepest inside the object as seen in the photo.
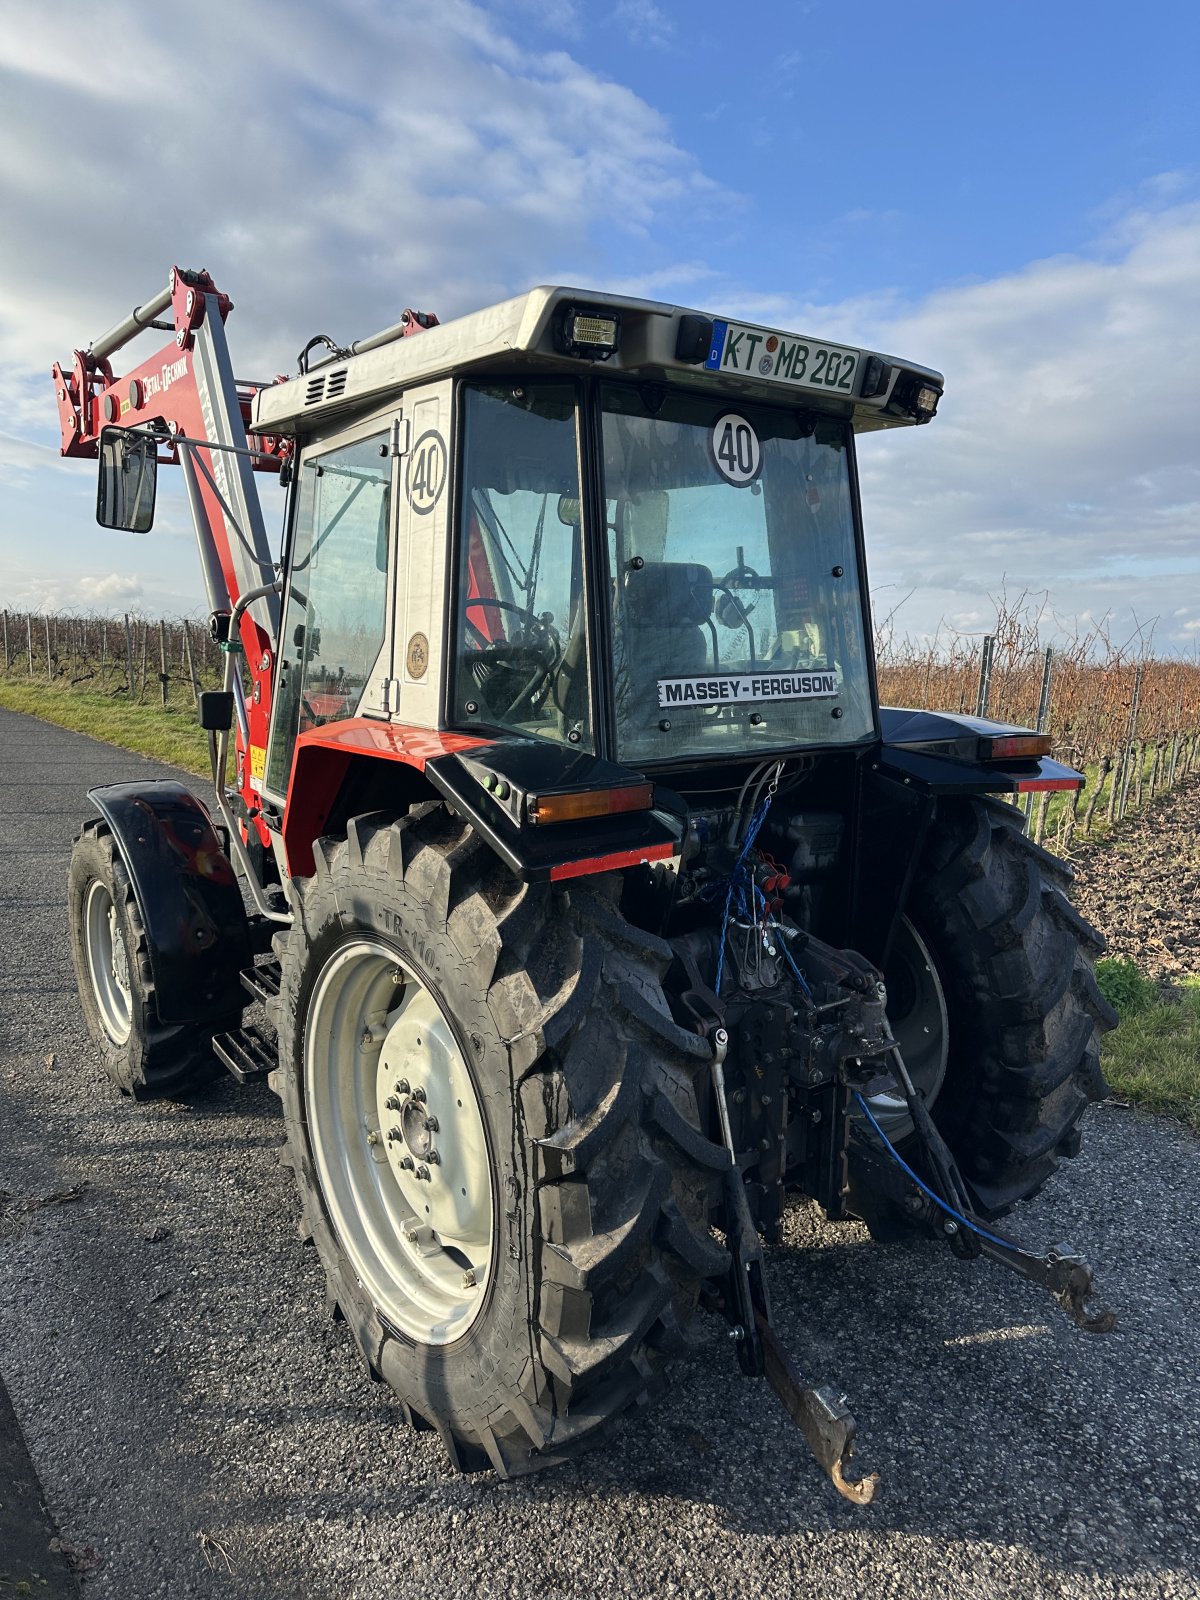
(1015, 747)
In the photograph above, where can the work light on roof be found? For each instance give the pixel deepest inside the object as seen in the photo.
(592, 332)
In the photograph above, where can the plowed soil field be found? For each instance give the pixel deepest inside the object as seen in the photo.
(1141, 888)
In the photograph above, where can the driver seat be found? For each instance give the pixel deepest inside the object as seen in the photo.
(664, 611)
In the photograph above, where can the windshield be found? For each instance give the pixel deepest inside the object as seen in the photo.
(737, 618)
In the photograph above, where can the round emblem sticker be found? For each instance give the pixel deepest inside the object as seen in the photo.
(417, 656)
(426, 476)
(736, 450)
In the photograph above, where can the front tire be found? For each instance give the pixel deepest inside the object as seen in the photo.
(582, 1239)
(144, 1057)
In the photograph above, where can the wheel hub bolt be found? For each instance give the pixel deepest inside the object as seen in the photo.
(469, 1278)
(434, 1159)
(423, 1173)
(402, 1086)
(432, 1123)
(393, 1134)
(393, 1102)
(419, 1094)
(407, 1163)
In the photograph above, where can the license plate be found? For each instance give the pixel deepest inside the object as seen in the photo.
(782, 358)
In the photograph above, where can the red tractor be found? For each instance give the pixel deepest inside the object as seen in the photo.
(595, 902)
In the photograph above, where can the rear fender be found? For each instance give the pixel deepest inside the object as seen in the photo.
(925, 756)
(936, 751)
(327, 758)
(188, 896)
(469, 773)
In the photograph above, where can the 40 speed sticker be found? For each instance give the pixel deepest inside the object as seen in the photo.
(727, 690)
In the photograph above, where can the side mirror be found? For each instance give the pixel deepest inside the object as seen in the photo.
(128, 480)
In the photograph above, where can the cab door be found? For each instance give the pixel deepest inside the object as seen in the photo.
(335, 650)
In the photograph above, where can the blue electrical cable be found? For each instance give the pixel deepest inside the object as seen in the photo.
(739, 880)
(974, 1227)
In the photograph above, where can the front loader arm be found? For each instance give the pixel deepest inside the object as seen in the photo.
(189, 386)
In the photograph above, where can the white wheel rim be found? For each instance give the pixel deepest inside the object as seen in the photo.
(108, 962)
(920, 1027)
(398, 1138)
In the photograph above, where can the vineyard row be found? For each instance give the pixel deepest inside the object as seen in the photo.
(1132, 722)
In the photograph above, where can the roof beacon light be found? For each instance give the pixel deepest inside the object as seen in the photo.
(592, 332)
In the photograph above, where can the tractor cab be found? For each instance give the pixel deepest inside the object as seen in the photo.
(643, 525)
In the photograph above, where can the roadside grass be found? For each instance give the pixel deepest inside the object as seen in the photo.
(1152, 1058)
(165, 733)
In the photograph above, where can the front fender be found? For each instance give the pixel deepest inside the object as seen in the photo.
(188, 896)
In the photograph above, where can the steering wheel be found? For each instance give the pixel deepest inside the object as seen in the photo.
(500, 605)
(536, 654)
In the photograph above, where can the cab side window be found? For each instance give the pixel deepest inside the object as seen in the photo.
(521, 650)
(337, 600)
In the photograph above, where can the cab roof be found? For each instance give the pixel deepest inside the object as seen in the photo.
(654, 342)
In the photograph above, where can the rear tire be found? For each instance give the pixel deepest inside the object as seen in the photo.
(599, 1174)
(144, 1057)
(1024, 1014)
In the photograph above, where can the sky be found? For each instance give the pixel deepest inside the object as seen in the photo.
(1009, 193)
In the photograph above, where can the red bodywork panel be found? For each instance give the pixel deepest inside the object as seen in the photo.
(1040, 785)
(319, 766)
(613, 863)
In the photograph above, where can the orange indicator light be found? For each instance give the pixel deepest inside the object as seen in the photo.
(590, 803)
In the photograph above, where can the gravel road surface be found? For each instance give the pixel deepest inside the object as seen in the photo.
(198, 1422)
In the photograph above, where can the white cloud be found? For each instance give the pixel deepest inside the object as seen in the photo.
(113, 589)
(1064, 454)
(644, 21)
(330, 167)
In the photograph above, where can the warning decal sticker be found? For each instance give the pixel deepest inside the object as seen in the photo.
(748, 687)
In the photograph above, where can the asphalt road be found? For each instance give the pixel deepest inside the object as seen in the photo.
(199, 1424)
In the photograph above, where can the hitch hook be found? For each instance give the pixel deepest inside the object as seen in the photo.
(1063, 1272)
(822, 1417)
(820, 1414)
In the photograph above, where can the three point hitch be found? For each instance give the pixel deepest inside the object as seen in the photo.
(944, 1204)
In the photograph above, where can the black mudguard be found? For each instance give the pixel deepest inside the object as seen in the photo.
(188, 896)
(924, 756)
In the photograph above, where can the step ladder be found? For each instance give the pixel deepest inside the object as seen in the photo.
(250, 1052)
